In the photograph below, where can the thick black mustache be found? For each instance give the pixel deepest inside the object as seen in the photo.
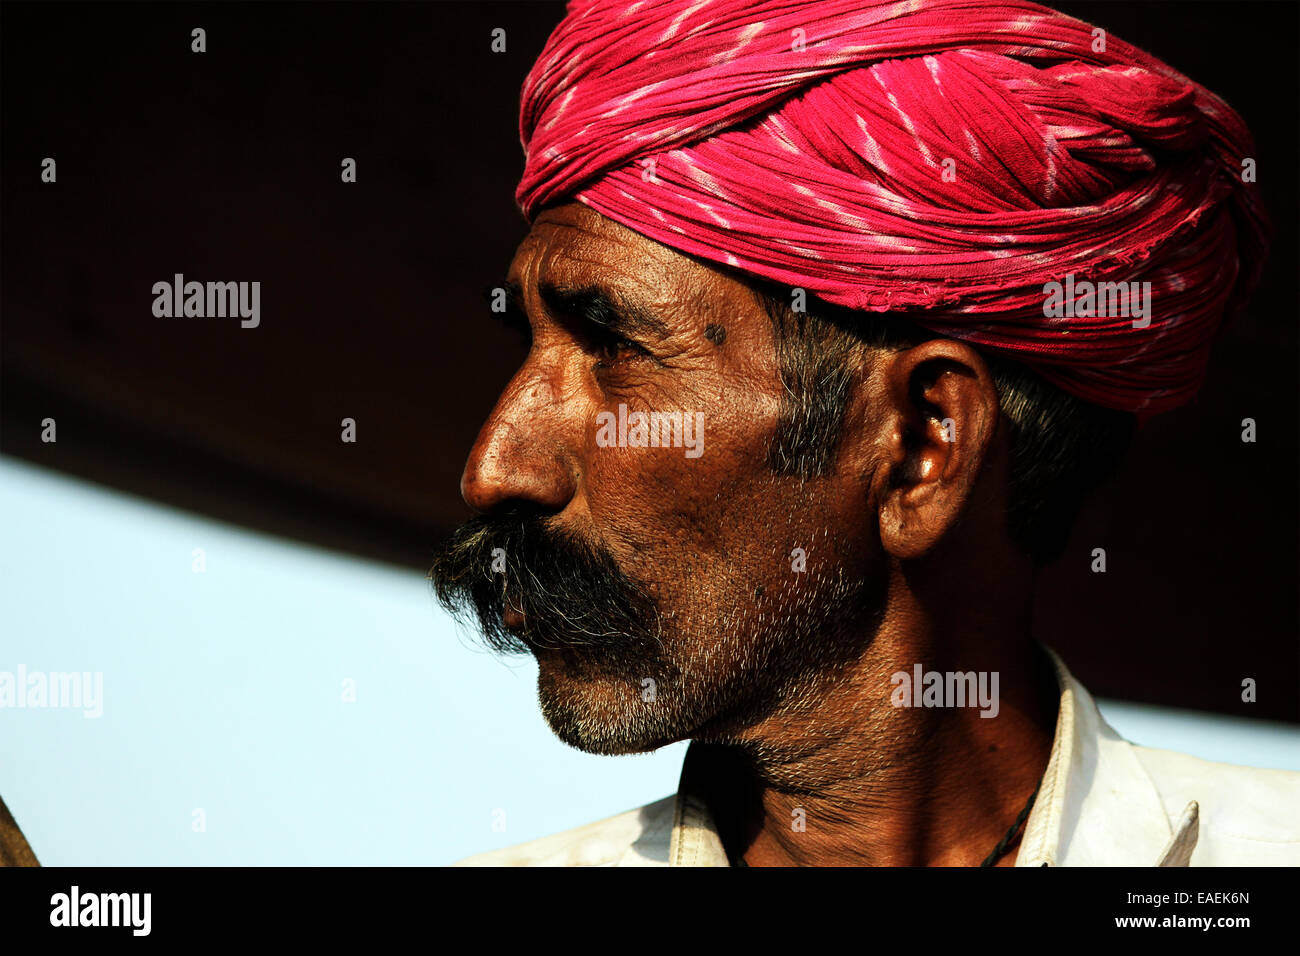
(571, 592)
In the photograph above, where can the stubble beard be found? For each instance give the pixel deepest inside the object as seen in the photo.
(714, 678)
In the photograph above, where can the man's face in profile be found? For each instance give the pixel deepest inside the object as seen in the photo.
(684, 590)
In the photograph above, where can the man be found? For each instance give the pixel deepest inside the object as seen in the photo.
(837, 311)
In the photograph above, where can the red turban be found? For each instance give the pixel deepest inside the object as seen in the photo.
(942, 159)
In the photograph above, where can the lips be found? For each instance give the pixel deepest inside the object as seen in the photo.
(511, 616)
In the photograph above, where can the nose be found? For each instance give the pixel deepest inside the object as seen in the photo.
(519, 456)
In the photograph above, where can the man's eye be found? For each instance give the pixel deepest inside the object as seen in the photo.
(611, 349)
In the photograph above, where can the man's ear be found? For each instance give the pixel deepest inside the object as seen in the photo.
(940, 410)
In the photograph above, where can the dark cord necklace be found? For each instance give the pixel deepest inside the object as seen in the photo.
(1005, 842)
(998, 851)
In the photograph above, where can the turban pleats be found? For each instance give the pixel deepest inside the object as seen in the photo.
(945, 160)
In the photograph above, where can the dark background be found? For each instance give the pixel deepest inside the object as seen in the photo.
(225, 166)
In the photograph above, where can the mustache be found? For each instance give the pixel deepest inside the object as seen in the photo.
(571, 591)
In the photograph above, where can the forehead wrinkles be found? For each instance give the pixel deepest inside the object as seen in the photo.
(592, 249)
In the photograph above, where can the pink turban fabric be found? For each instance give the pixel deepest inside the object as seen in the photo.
(941, 159)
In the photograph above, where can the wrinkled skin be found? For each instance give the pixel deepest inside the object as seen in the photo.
(785, 671)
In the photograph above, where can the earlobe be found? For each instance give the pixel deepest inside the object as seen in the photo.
(944, 408)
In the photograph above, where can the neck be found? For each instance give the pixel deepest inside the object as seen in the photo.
(848, 777)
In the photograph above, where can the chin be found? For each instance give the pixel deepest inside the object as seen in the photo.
(603, 715)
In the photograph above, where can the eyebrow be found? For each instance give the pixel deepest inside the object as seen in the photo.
(600, 307)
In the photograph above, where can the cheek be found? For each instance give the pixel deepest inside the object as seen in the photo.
(720, 537)
(686, 488)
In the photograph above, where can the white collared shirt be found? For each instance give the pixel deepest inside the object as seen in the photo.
(1103, 802)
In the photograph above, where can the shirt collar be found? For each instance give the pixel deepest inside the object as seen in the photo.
(1096, 805)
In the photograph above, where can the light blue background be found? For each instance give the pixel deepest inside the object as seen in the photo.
(223, 692)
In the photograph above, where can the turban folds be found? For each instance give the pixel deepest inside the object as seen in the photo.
(946, 160)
